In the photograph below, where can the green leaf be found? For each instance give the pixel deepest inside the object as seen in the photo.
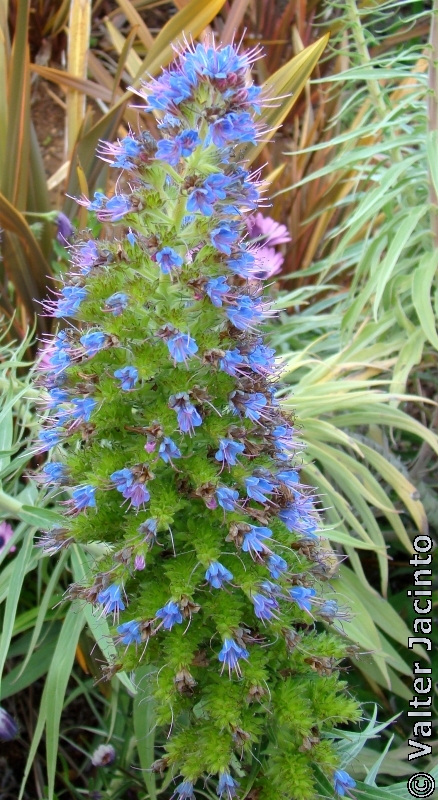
(422, 281)
(41, 518)
(144, 726)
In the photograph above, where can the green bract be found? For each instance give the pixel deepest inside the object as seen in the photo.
(179, 456)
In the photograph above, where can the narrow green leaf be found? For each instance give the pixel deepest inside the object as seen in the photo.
(422, 281)
(41, 518)
(19, 568)
(144, 727)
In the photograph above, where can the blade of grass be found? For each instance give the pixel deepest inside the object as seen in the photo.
(78, 43)
(136, 21)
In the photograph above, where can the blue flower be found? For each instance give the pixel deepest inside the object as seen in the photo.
(168, 450)
(182, 346)
(253, 541)
(302, 597)
(49, 438)
(223, 238)
(329, 610)
(245, 313)
(230, 654)
(261, 360)
(276, 565)
(215, 64)
(217, 184)
(217, 574)
(60, 359)
(170, 614)
(216, 288)
(227, 786)
(184, 791)
(111, 600)
(298, 517)
(232, 361)
(188, 417)
(264, 606)
(57, 396)
(129, 633)
(289, 477)
(65, 228)
(254, 405)
(284, 442)
(69, 303)
(228, 450)
(169, 260)
(188, 141)
(243, 264)
(128, 377)
(83, 497)
(227, 498)
(232, 128)
(256, 487)
(116, 208)
(93, 342)
(117, 303)
(149, 528)
(342, 782)
(201, 199)
(121, 153)
(122, 479)
(168, 91)
(55, 472)
(83, 408)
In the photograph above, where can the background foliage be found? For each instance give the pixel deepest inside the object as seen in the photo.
(353, 174)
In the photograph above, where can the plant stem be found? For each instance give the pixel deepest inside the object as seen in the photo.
(362, 49)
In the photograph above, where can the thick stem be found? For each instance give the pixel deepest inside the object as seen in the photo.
(362, 49)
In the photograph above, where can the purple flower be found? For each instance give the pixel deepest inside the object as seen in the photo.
(83, 407)
(6, 533)
(256, 487)
(68, 304)
(188, 417)
(245, 313)
(139, 562)
(103, 756)
(217, 574)
(232, 361)
(267, 263)
(93, 342)
(253, 541)
(117, 303)
(302, 597)
(227, 786)
(49, 438)
(65, 228)
(223, 238)
(149, 527)
(129, 633)
(182, 346)
(265, 228)
(128, 377)
(217, 288)
(137, 493)
(227, 498)
(170, 614)
(276, 565)
(8, 727)
(111, 600)
(84, 497)
(54, 473)
(184, 791)
(342, 782)
(228, 450)
(329, 610)
(264, 606)
(169, 260)
(85, 256)
(230, 654)
(168, 450)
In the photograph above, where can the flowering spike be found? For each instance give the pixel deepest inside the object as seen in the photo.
(177, 454)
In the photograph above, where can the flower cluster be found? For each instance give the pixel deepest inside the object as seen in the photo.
(177, 453)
